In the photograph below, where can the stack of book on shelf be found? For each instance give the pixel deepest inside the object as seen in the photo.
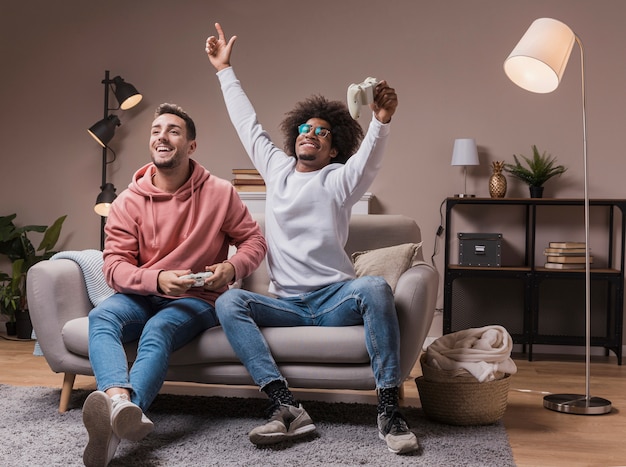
(566, 255)
(248, 180)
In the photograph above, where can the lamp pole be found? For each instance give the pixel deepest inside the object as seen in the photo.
(586, 210)
(106, 83)
(102, 131)
(577, 403)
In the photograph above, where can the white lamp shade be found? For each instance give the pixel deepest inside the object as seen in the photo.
(538, 61)
(464, 152)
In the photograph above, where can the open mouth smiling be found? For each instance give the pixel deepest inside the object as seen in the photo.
(162, 149)
(311, 143)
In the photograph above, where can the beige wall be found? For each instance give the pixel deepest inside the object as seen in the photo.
(443, 57)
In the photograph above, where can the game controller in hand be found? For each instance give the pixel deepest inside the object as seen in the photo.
(198, 277)
(360, 94)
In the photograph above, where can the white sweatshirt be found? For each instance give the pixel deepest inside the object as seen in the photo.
(307, 214)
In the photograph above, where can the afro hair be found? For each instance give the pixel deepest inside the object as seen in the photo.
(346, 132)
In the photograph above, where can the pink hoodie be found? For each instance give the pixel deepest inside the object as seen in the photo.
(149, 230)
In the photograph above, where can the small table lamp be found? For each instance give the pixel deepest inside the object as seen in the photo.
(464, 153)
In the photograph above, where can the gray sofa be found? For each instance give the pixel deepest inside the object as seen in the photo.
(309, 357)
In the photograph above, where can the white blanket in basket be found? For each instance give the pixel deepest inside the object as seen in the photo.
(483, 352)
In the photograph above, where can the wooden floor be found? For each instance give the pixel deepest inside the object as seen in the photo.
(539, 437)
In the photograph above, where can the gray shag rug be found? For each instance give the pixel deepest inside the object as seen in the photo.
(212, 431)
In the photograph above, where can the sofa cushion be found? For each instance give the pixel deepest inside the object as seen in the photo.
(75, 334)
(390, 262)
(305, 344)
(302, 344)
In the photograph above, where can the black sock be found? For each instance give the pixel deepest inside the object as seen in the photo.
(387, 397)
(278, 393)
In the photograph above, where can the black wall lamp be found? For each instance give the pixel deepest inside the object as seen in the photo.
(103, 131)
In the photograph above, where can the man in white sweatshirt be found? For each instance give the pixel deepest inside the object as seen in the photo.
(326, 167)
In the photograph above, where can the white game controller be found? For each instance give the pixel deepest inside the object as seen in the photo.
(361, 94)
(198, 277)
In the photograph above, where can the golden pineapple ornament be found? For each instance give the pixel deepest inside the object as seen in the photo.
(497, 181)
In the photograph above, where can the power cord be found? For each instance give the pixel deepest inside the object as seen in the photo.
(438, 234)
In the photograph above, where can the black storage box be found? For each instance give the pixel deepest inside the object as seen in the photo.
(480, 249)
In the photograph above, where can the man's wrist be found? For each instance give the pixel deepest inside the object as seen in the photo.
(158, 287)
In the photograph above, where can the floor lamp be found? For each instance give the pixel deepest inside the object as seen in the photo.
(103, 131)
(537, 64)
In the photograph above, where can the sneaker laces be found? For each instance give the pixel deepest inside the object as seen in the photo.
(118, 398)
(397, 423)
(271, 412)
(274, 408)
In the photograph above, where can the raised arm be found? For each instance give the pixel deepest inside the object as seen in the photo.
(218, 50)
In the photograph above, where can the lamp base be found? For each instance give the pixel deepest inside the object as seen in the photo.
(577, 404)
(464, 195)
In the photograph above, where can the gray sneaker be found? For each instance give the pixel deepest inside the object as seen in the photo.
(286, 422)
(393, 429)
(102, 441)
(128, 420)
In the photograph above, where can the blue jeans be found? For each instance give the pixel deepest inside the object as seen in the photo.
(367, 300)
(162, 326)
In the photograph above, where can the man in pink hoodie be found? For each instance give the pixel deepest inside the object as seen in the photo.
(174, 219)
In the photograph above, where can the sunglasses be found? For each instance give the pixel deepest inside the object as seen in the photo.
(319, 130)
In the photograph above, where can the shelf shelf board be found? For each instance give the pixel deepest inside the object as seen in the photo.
(458, 267)
(582, 270)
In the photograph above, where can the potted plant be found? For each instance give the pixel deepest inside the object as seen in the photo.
(537, 171)
(9, 300)
(18, 248)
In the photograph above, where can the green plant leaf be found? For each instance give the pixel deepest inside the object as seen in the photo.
(18, 265)
(15, 244)
(538, 170)
(7, 228)
(51, 235)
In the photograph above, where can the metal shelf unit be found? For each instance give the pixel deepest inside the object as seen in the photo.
(538, 301)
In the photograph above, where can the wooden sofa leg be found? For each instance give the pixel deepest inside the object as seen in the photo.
(401, 392)
(66, 391)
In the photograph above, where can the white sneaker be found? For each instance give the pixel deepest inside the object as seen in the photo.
(127, 419)
(102, 441)
(393, 429)
(286, 422)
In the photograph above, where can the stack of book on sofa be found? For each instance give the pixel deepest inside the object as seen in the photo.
(566, 255)
(248, 180)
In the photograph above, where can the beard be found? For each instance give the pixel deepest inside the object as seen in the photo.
(170, 163)
(306, 157)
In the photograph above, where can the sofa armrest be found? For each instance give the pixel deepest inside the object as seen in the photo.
(57, 294)
(415, 299)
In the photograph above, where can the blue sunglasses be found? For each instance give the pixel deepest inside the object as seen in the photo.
(319, 130)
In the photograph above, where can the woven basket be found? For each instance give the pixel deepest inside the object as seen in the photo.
(467, 403)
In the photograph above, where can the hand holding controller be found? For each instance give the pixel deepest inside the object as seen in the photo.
(198, 277)
(361, 94)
